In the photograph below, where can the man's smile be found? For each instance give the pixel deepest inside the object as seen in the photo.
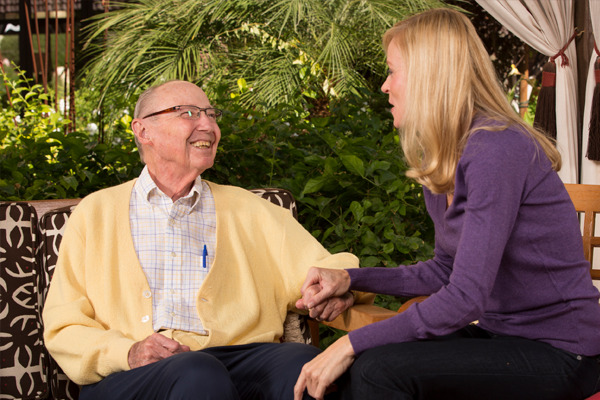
(201, 144)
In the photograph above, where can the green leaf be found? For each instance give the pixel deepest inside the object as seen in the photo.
(357, 210)
(331, 166)
(313, 185)
(18, 176)
(370, 239)
(54, 117)
(388, 248)
(369, 262)
(88, 175)
(242, 85)
(71, 182)
(320, 122)
(402, 210)
(337, 248)
(327, 233)
(354, 164)
(382, 165)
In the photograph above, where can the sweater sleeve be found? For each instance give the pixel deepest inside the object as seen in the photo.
(493, 170)
(85, 349)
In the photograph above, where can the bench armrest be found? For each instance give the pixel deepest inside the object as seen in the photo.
(361, 315)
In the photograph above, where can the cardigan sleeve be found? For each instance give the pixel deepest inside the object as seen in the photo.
(299, 251)
(85, 349)
(493, 169)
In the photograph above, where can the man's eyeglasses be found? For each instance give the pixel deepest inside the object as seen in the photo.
(191, 112)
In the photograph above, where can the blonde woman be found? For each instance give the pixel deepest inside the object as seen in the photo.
(508, 249)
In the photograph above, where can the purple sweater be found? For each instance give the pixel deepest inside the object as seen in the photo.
(508, 252)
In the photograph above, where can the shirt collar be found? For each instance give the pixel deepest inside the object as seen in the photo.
(147, 189)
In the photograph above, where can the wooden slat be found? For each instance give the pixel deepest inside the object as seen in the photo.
(43, 206)
(586, 199)
(360, 315)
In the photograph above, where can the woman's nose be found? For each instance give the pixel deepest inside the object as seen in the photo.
(385, 87)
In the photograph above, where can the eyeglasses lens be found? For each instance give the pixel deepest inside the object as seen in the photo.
(194, 113)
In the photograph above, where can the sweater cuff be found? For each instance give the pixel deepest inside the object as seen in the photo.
(356, 275)
(118, 354)
(393, 330)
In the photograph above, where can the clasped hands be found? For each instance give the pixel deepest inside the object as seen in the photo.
(324, 293)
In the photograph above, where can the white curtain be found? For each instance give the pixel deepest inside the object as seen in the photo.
(547, 25)
(590, 170)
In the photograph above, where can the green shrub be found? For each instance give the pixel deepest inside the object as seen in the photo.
(39, 160)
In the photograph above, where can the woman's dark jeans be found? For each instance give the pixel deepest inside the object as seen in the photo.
(472, 364)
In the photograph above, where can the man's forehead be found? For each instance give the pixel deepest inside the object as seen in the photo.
(179, 93)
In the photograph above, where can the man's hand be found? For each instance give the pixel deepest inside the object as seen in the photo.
(331, 282)
(318, 374)
(327, 310)
(152, 349)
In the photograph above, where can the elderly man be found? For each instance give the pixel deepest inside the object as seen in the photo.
(171, 287)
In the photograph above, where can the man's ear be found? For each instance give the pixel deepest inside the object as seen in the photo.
(139, 130)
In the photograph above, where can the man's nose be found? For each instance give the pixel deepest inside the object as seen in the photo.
(205, 121)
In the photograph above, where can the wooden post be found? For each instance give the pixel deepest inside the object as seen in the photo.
(25, 47)
(56, 91)
(72, 72)
(523, 98)
(37, 34)
(46, 50)
(67, 58)
(30, 40)
(584, 47)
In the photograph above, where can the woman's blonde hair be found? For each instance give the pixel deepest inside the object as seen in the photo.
(450, 79)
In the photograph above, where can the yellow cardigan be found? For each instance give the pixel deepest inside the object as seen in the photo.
(96, 308)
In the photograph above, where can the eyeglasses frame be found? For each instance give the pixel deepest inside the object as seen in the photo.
(176, 108)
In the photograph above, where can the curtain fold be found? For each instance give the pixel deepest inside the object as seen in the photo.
(590, 170)
(547, 26)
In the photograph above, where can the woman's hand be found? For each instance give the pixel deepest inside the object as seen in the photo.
(324, 369)
(332, 283)
(329, 309)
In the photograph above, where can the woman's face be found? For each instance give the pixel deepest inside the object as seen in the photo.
(395, 84)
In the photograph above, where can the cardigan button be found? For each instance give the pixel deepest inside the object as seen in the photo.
(203, 299)
(145, 318)
(147, 294)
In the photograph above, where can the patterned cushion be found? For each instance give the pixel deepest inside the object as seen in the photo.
(24, 359)
(295, 328)
(281, 197)
(51, 227)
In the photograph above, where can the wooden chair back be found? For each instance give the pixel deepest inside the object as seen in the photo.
(586, 199)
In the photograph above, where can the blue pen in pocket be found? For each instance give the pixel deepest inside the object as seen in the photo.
(204, 255)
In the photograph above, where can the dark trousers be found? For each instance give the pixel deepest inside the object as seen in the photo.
(472, 364)
(252, 371)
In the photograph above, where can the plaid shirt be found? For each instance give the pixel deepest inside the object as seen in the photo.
(169, 239)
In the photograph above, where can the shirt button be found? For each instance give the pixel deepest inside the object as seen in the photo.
(147, 294)
(173, 314)
(173, 254)
(145, 318)
(172, 291)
